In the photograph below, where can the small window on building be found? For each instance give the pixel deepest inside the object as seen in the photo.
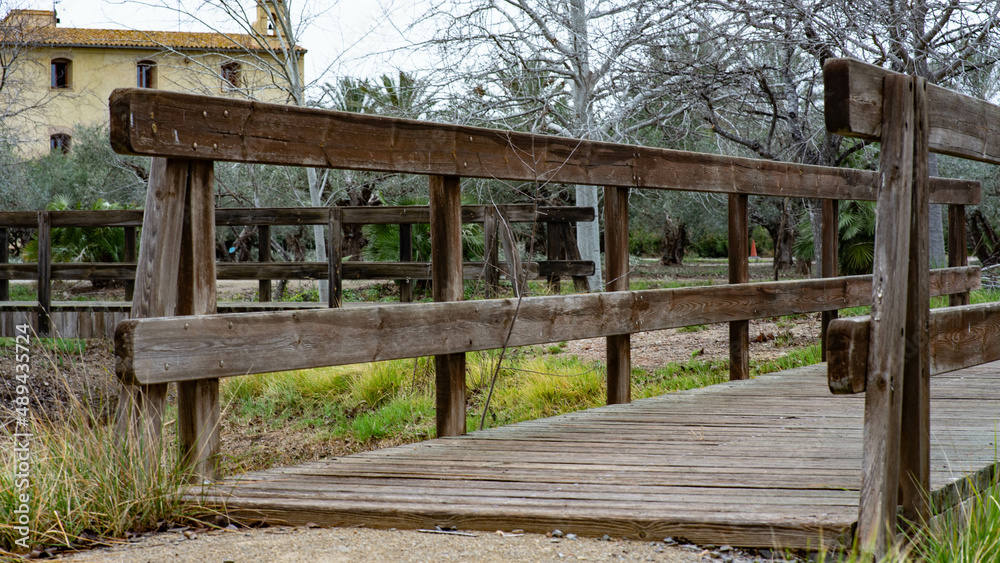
(145, 74)
(61, 77)
(59, 143)
(231, 76)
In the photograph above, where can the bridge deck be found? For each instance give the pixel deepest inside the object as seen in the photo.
(770, 462)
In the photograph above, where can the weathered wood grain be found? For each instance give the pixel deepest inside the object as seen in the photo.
(830, 232)
(959, 125)
(958, 249)
(156, 122)
(739, 272)
(264, 256)
(915, 428)
(4, 249)
(257, 343)
(619, 352)
(44, 279)
(887, 342)
(198, 417)
(139, 418)
(446, 285)
(960, 337)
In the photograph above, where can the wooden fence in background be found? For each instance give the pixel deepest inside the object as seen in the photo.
(99, 318)
(176, 274)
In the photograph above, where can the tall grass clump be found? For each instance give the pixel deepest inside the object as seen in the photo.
(83, 486)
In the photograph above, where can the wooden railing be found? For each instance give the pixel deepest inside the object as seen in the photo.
(186, 133)
(558, 220)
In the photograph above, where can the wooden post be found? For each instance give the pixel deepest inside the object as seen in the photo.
(264, 255)
(883, 396)
(198, 401)
(4, 248)
(405, 255)
(335, 265)
(616, 252)
(581, 284)
(958, 249)
(446, 280)
(828, 267)
(491, 272)
(44, 272)
(914, 453)
(139, 418)
(553, 250)
(130, 256)
(739, 272)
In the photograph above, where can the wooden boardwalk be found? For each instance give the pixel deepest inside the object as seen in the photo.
(769, 462)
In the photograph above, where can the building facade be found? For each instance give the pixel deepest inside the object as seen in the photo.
(65, 75)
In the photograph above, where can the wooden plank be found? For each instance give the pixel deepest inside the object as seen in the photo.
(883, 396)
(139, 418)
(447, 285)
(619, 359)
(335, 264)
(198, 416)
(958, 249)
(515, 213)
(491, 265)
(915, 429)
(405, 255)
(960, 337)
(160, 123)
(44, 278)
(739, 272)
(959, 125)
(830, 232)
(263, 342)
(4, 249)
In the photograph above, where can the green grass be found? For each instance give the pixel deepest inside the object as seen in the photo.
(82, 485)
(59, 345)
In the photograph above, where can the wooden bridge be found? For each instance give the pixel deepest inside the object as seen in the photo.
(767, 462)
(174, 335)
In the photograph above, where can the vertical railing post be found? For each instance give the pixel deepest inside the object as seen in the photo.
(553, 250)
(335, 265)
(139, 418)
(4, 283)
(830, 234)
(887, 341)
(446, 280)
(616, 255)
(405, 255)
(130, 256)
(739, 272)
(958, 249)
(44, 272)
(264, 256)
(491, 249)
(198, 416)
(915, 425)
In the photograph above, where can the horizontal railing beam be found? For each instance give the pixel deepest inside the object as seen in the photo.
(159, 123)
(960, 337)
(959, 125)
(180, 349)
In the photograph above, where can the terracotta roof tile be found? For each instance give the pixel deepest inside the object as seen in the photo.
(151, 39)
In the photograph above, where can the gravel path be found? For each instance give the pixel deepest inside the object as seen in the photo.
(359, 544)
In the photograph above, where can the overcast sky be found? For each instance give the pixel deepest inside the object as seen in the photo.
(356, 37)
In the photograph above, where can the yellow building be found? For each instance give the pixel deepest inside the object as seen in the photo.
(67, 74)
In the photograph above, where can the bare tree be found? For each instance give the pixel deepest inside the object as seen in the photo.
(566, 67)
(759, 62)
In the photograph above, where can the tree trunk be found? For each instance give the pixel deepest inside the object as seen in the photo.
(319, 238)
(674, 243)
(936, 232)
(589, 235)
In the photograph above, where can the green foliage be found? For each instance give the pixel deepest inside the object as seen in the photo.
(77, 244)
(857, 238)
(383, 240)
(711, 246)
